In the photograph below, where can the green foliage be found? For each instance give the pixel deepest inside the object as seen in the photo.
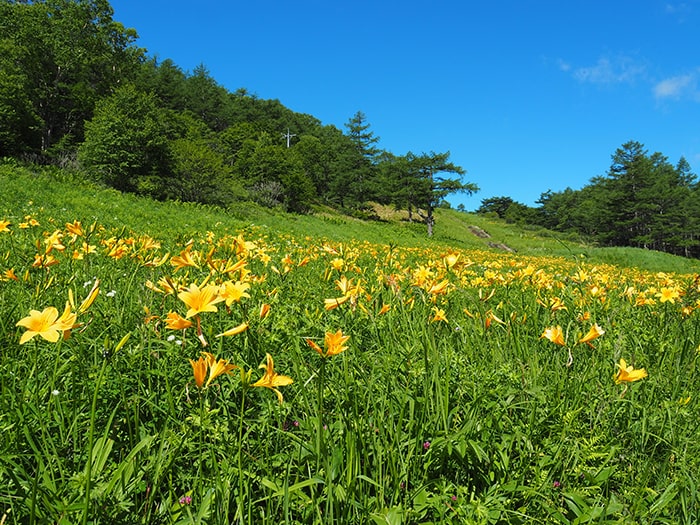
(416, 184)
(70, 54)
(643, 201)
(19, 123)
(496, 205)
(126, 143)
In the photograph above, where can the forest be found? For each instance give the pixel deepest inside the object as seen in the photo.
(642, 201)
(76, 91)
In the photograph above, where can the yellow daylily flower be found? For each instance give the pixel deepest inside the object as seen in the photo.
(87, 302)
(272, 379)
(439, 288)
(231, 291)
(40, 323)
(668, 295)
(450, 259)
(174, 321)
(338, 264)
(555, 335)
(217, 367)
(67, 319)
(627, 373)
(200, 300)
(331, 304)
(594, 333)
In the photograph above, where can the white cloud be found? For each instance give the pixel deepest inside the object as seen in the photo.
(563, 66)
(606, 71)
(678, 87)
(677, 7)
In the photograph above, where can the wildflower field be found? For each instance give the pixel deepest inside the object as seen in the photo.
(252, 376)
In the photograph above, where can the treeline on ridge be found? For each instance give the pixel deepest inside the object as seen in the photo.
(642, 201)
(76, 90)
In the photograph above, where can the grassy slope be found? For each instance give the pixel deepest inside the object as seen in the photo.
(66, 198)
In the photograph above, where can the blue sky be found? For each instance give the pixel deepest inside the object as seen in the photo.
(527, 96)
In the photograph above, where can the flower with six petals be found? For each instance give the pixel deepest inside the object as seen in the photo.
(272, 379)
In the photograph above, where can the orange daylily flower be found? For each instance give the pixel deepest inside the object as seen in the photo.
(333, 343)
(10, 275)
(216, 367)
(183, 260)
(199, 370)
(75, 229)
(439, 315)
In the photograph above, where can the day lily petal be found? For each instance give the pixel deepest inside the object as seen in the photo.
(234, 331)
(199, 370)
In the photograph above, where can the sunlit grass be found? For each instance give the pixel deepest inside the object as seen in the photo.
(225, 372)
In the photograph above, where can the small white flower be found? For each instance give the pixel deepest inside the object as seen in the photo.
(171, 338)
(178, 342)
(111, 293)
(55, 392)
(87, 283)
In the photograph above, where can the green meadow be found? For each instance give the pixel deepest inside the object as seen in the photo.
(167, 363)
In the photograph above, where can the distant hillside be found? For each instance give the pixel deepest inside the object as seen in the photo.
(66, 197)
